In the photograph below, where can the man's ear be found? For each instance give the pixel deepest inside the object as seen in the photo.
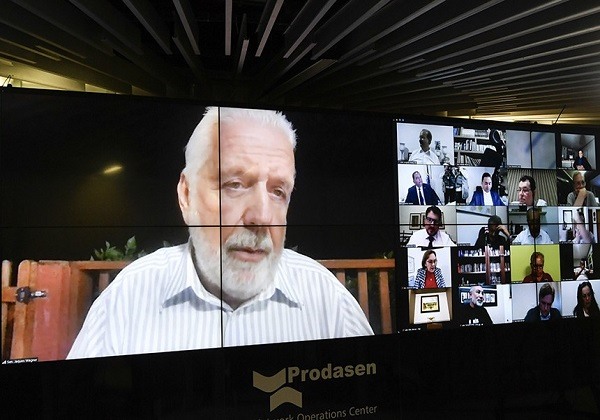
(183, 196)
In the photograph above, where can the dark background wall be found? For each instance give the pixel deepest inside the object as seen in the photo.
(57, 204)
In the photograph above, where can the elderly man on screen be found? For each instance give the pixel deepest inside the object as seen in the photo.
(473, 312)
(424, 154)
(537, 274)
(580, 196)
(233, 283)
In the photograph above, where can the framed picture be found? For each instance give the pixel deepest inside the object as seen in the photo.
(464, 296)
(567, 218)
(415, 221)
(430, 303)
(490, 297)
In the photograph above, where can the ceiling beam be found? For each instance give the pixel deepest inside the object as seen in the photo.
(401, 40)
(66, 69)
(267, 20)
(485, 79)
(228, 25)
(95, 61)
(513, 66)
(272, 72)
(188, 20)
(496, 40)
(152, 22)
(301, 77)
(306, 20)
(389, 19)
(112, 21)
(352, 15)
(242, 45)
(63, 16)
(492, 54)
(182, 43)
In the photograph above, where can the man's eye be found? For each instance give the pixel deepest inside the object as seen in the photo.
(280, 192)
(233, 185)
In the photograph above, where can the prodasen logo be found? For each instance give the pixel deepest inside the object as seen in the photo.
(275, 383)
(278, 384)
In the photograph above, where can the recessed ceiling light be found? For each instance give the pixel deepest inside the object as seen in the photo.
(113, 169)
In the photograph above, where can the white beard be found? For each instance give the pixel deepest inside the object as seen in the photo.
(240, 280)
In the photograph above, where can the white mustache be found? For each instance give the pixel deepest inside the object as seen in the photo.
(249, 239)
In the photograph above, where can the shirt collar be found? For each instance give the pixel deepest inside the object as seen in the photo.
(284, 279)
(280, 290)
(531, 236)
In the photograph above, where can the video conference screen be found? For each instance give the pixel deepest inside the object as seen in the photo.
(497, 224)
(258, 241)
(137, 225)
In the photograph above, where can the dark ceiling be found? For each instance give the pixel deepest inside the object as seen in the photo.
(500, 59)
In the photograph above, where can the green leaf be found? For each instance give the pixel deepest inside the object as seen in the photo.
(112, 253)
(131, 243)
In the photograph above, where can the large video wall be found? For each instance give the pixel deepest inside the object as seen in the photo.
(497, 224)
(482, 218)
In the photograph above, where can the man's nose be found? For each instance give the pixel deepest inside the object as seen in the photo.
(258, 207)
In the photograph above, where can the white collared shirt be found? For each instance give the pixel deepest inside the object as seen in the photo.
(487, 198)
(158, 304)
(429, 157)
(525, 238)
(420, 238)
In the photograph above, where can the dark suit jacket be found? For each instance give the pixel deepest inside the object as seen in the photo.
(533, 315)
(431, 198)
(477, 199)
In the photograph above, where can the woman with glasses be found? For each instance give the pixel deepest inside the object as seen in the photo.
(429, 276)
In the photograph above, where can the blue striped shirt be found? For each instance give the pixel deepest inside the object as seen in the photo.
(157, 304)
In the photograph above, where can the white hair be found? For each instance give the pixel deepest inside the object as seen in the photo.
(198, 149)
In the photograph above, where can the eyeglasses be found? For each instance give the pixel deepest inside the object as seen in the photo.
(524, 190)
(432, 221)
(537, 265)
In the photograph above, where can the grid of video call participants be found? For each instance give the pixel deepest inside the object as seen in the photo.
(495, 225)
